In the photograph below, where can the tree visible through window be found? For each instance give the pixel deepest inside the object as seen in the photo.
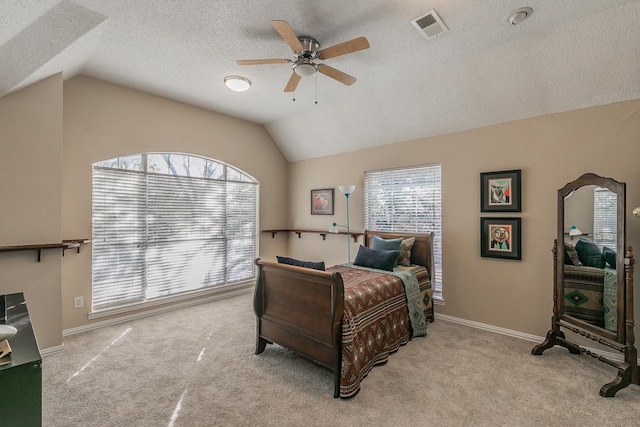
(166, 223)
(407, 200)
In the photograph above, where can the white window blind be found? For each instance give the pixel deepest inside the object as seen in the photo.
(605, 217)
(168, 224)
(407, 200)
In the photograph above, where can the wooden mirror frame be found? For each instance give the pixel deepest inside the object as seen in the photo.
(618, 188)
(623, 340)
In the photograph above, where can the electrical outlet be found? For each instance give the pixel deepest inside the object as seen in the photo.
(78, 302)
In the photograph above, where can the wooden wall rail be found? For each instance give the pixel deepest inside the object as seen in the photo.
(64, 245)
(323, 233)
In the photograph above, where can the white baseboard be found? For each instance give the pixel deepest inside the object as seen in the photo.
(615, 357)
(151, 312)
(52, 350)
(121, 319)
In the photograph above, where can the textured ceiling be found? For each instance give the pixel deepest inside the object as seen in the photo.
(567, 55)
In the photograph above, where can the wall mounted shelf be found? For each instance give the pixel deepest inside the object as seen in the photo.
(64, 245)
(74, 244)
(323, 233)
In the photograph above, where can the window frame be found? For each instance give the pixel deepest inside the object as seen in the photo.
(431, 172)
(233, 182)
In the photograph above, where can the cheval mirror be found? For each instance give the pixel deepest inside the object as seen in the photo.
(593, 275)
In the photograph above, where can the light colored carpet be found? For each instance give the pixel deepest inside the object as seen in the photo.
(197, 367)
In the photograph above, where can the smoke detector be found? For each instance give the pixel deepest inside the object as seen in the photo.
(429, 25)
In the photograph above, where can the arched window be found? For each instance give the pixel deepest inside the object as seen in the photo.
(167, 223)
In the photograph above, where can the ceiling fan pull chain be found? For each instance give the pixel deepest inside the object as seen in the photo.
(316, 88)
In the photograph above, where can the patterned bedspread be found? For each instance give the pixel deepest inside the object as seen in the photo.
(375, 323)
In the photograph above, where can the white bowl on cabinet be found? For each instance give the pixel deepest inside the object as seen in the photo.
(7, 332)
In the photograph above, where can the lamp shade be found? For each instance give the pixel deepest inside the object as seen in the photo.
(305, 68)
(333, 228)
(347, 189)
(574, 231)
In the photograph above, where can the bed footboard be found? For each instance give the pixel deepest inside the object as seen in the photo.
(300, 309)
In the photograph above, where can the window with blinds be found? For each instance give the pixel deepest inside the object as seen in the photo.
(605, 217)
(165, 224)
(407, 200)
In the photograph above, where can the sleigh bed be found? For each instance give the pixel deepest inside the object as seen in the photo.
(347, 318)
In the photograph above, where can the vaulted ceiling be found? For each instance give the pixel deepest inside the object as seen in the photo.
(566, 55)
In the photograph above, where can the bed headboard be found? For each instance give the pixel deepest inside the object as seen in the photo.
(421, 253)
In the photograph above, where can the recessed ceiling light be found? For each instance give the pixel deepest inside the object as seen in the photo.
(518, 15)
(237, 83)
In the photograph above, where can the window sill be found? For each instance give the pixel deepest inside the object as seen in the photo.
(188, 298)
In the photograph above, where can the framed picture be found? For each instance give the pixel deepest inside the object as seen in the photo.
(500, 238)
(500, 191)
(322, 202)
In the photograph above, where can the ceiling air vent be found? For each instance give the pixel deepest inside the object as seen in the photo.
(429, 25)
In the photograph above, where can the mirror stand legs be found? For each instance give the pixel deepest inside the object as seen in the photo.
(622, 380)
(555, 337)
(627, 371)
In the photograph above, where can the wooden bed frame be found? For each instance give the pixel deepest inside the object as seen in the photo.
(301, 308)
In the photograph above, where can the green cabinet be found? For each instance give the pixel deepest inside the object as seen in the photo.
(20, 380)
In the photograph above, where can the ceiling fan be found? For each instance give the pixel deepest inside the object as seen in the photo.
(306, 54)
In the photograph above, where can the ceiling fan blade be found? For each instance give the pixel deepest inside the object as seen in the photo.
(338, 75)
(261, 61)
(288, 35)
(293, 82)
(354, 45)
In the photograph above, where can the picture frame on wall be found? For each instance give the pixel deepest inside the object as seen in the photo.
(500, 237)
(500, 191)
(322, 201)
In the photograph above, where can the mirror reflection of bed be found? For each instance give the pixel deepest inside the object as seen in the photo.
(590, 245)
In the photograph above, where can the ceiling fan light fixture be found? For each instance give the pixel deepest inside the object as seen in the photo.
(305, 68)
(237, 83)
(305, 53)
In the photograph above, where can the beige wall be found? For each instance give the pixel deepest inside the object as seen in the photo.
(31, 201)
(551, 151)
(46, 152)
(46, 190)
(103, 120)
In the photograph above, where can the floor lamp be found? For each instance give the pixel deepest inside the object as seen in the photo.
(346, 190)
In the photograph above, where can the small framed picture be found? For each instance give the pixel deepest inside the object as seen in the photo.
(322, 202)
(500, 191)
(500, 238)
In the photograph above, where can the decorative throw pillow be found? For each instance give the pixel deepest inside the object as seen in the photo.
(405, 251)
(403, 245)
(571, 255)
(299, 263)
(589, 253)
(609, 256)
(375, 258)
(379, 243)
